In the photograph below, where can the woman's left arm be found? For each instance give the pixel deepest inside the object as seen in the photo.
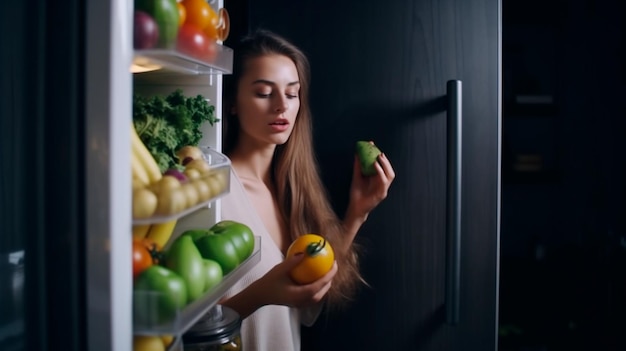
(366, 192)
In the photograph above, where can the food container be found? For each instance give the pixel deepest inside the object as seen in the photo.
(153, 312)
(218, 330)
(176, 345)
(194, 45)
(215, 179)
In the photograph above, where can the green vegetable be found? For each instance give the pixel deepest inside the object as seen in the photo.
(220, 249)
(368, 155)
(195, 234)
(213, 274)
(166, 124)
(158, 294)
(239, 234)
(184, 258)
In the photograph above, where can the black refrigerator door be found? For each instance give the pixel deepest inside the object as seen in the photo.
(42, 305)
(379, 72)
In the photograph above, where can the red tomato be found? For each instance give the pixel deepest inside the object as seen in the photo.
(318, 258)
(153, 248)
(193, 42)
(142, 258)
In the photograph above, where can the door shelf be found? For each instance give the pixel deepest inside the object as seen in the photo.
(189, 315)
(217, 180)
(172, 60)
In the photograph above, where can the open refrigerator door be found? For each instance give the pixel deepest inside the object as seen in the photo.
(176, 57)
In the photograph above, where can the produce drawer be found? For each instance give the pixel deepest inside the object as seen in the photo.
(187, 317)
(217, 178)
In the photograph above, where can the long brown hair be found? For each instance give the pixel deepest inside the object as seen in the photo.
(302, 197)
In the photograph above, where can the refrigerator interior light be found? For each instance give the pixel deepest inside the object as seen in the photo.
(141, 65)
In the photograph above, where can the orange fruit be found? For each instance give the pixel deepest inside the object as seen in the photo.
(220, 25)
(212, 30)
(182, 13)
(224, 24)
(199, 13)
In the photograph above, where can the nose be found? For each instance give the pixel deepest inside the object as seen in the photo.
(281, 104)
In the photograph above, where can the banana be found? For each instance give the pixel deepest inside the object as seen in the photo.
(144, 157)
(161, 233)
(140, 231)
(139, 173)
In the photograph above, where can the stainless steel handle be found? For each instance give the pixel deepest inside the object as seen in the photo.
(453, 210)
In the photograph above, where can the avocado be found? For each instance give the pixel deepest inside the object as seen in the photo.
(368, 154)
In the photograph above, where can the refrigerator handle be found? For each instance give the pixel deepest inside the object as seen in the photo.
(453, 207)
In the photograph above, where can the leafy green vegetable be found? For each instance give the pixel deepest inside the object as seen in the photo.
(165, 124)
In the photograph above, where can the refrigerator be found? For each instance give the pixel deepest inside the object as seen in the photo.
(420, 78)
(65, 247)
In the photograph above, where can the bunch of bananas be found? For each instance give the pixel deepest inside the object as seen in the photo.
(145, 173)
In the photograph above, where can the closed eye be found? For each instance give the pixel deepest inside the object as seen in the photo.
(293, 87)
(265, 96)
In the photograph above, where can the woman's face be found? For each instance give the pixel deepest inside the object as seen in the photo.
(267, 100)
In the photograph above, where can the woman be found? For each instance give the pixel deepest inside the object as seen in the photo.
(276, 190)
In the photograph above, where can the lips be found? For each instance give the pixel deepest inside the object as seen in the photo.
(280, 122)
(279, 125)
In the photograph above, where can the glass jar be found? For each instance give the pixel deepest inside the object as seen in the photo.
(218, 330)
(176, 345)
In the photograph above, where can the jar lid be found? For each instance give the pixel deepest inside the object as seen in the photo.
(219, 324)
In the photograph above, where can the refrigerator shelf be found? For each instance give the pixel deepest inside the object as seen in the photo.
(172, 60)
(189, 315)
(220, 167)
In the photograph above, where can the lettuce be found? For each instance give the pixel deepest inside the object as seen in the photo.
(167, 123)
